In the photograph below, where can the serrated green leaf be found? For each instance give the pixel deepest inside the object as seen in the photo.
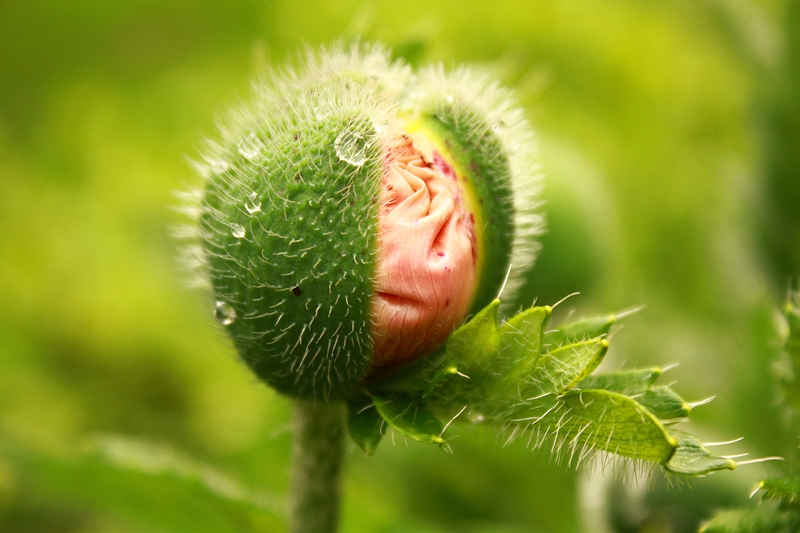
(151, 486)
(761, 519)
(565, 367)
(446, 370)
(692, 458)
(628, 382)
(410, 416)
(470, 344)
(664, 403)
(613, 423)
(785, 489)
(584, 420)
(364, 424)
(499, 375)
(493, 362)
(521, 341)
(581, 330)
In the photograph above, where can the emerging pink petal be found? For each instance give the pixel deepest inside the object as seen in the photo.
(426, 257)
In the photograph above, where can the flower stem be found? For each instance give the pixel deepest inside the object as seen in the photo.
(316, 465)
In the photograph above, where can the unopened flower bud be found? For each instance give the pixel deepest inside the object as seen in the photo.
(426, 256)
(354, 214)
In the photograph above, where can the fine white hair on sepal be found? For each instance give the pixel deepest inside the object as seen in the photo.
(315, 85)
(280, 99)
(474, 91)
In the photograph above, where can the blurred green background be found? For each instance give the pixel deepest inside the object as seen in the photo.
(670, 136)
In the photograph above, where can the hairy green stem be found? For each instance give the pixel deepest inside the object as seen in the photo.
(316, 465)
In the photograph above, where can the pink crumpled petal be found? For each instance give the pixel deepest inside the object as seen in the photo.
(426, 259)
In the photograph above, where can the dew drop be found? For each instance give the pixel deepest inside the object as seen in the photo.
(224, 313)
(253, 203)
(475, 418)
(351, 147)
(380, 126)
(449, 98)
(496, 127)
(320, 114)
(238, 231)
(218, 166)
(250, 147)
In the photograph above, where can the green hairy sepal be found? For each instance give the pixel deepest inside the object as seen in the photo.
(298, 290)
(539, 386)
(286, 224)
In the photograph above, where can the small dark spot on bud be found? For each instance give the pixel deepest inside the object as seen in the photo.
(480, 201)
(296, 136)
(447, 303)
(297, 177)
(474, 166)
(296, 291)
(440, 254)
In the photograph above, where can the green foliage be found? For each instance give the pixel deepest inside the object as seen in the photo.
(784, 517)
(788, 363)
(786, 490)
(763, 519)
(692, 458)
(507, 375)
(365, 423)
(151, 487)
(410, 416)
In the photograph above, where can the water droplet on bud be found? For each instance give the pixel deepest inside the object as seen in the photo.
(379, 126)
(475, 418)
(250, 147)
(320, 114)
(224, 313)
(351, 147)
(253, 203)
(218, 166)
(238, 231)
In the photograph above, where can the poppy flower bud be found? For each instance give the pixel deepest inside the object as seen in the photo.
(426, 256)
(353, 214)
